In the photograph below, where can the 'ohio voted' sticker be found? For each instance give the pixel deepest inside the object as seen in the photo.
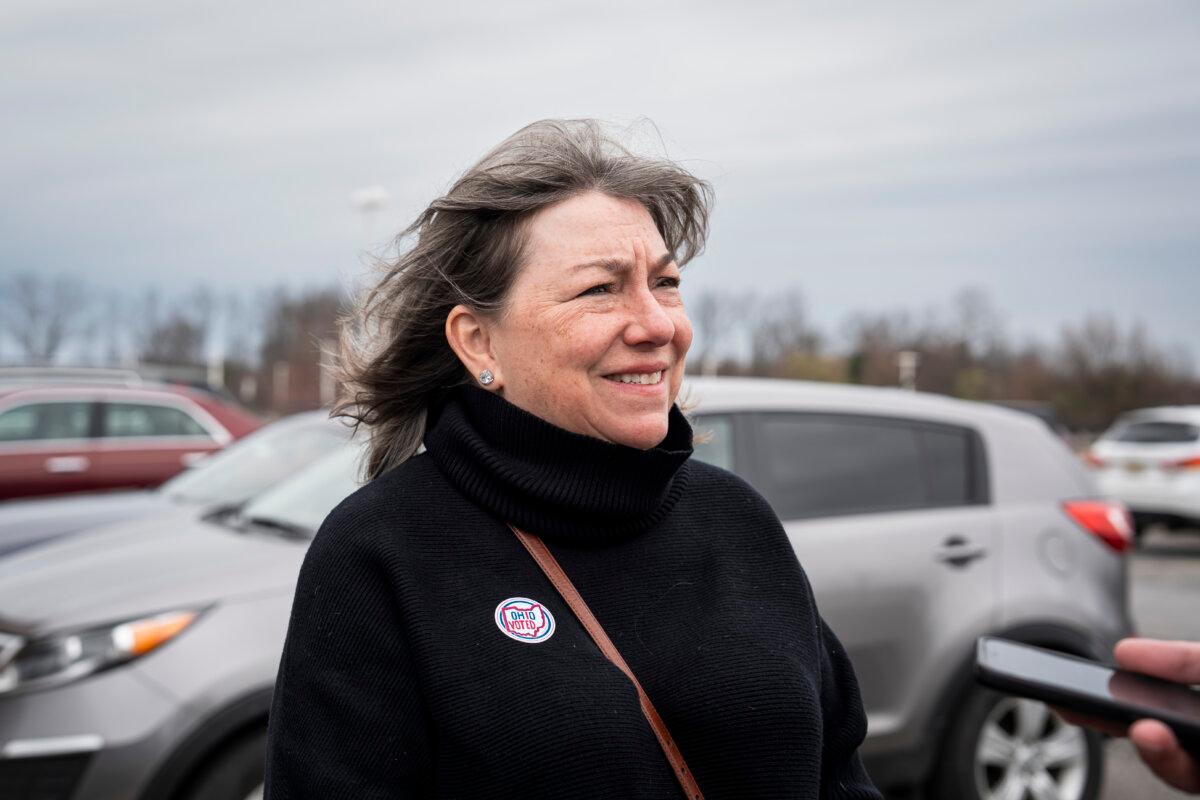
(524, 620)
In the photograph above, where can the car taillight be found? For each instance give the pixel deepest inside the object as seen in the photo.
(1187, 463)
(1107, 520)
(1094, 461)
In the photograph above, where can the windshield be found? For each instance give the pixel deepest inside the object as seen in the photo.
(1154, 432)
(305, 499)
(250, 465)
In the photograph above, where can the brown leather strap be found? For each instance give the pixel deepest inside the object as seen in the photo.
(545, 559)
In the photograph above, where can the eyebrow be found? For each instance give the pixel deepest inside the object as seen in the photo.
(619, 265)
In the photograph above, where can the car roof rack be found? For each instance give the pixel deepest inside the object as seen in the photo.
(68, 375)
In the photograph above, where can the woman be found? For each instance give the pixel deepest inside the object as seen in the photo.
(534, 339)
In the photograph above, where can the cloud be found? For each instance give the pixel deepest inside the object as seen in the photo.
(918, 144)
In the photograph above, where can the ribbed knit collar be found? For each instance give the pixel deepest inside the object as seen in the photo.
(550, 481)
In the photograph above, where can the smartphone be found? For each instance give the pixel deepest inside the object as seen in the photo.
(1089, 687)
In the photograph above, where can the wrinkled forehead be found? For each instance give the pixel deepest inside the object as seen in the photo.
(590, 227)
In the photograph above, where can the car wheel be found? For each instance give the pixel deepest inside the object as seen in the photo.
(1010, 748)
(235, 773)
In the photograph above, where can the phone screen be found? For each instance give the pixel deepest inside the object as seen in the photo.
(1156, 697)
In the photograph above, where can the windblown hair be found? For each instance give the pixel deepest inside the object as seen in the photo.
(394, 360)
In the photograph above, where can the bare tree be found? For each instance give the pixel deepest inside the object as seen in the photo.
(244, 320)
(42, 314)
(114, 329)
(176, 340)
(1104, 370)
(876, 339)
(976, 323)
(718, 317)
(175, 331)
(781, 329)
(290, 359)
(144, 313)
(1096, 370)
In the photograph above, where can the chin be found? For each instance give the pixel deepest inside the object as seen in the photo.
(643, 435)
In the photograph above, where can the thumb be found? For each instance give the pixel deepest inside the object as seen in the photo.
(1158, 747)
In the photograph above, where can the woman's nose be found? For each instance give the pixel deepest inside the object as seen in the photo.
(648, 320)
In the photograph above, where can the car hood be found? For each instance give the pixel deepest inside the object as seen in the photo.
(27, 522)
(171, 560)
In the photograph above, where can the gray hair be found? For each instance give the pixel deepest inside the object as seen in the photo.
(394, 361)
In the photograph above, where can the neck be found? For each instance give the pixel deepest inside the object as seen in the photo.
(550, 481)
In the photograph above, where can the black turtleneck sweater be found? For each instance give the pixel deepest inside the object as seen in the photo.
(421, 660)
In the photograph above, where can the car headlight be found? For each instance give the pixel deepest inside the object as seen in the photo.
(65, 657)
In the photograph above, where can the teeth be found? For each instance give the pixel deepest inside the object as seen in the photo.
(645, 378)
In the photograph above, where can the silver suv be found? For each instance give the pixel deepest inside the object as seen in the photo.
(137, 660)
(925, 522)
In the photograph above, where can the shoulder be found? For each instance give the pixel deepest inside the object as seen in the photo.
(714, 487)
(728, 510)
(717, 499)
(402, 490)
(360, 559)
(369, 518)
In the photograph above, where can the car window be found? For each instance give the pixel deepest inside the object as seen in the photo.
(813, 465)
(818, 465)
(1155, 432)
(139, 419)
(714, 440)
(947, 456)
(45, 421)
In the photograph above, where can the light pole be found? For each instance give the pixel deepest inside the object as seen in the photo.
(369, 201)
(908, 361)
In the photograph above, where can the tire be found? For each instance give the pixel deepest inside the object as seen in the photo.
(1004, 748)
(234, 773)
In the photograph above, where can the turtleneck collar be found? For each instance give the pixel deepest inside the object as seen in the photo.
(550, 481)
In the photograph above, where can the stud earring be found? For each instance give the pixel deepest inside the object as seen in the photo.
(486, 377)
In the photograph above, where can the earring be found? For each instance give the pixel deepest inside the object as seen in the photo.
(486, 377)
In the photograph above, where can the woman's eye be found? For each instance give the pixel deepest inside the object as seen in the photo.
(672, 283)
(597, 289)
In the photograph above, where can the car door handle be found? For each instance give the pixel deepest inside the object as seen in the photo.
(957, 551)
(64, 464)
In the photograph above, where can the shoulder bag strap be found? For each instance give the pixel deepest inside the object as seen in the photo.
(545, 559)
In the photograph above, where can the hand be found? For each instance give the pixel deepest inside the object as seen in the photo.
(1174, 661)
(1155, 742)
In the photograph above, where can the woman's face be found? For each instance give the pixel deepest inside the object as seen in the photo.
(595, 334)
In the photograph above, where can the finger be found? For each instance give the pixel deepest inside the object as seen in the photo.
(1095, 723)
(1160, 750)
(1174, 661)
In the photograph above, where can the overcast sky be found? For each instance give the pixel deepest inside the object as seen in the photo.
(875, 156)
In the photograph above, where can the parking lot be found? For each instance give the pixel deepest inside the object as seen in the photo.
(1165, 594)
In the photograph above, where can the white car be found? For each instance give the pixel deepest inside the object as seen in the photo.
(1150, 459)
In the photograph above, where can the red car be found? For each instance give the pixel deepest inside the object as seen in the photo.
(56, 438)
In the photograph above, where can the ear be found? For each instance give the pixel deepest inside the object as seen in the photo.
(469, 335)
